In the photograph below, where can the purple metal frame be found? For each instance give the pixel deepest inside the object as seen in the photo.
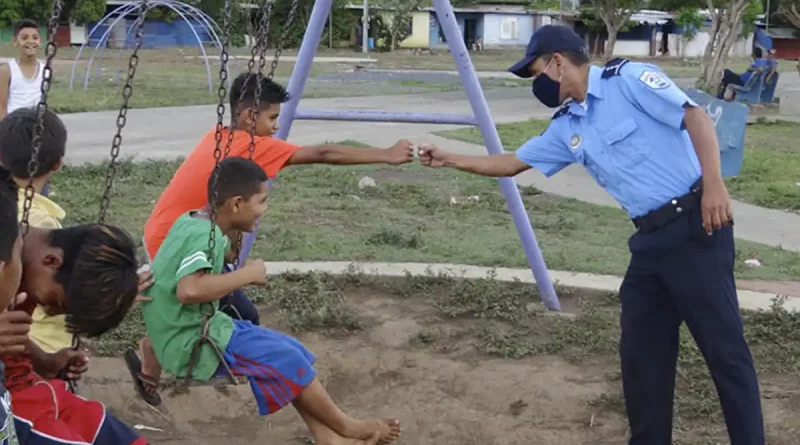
(482, 118)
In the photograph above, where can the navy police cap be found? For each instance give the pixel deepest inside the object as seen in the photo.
(546, 40)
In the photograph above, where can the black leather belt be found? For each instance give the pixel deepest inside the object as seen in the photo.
(670, 211)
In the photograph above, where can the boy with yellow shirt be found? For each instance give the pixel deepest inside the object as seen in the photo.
(16, 139)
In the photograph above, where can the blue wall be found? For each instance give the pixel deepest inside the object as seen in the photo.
(157, 34)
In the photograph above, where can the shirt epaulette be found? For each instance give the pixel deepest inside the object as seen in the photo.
(613, 68)
(562, 111)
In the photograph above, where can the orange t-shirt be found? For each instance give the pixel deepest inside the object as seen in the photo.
(188, 189)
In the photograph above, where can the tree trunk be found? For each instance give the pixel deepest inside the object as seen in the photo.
(724, 33)
(792, 13)
(610, 43)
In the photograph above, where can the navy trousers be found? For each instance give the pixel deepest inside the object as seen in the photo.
(237, 305)
(677, 274)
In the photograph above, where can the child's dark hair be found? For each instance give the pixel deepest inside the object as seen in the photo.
(16, 142)
(271, 92)
(237, 177)
(758, 53)
(9, 227)
(99, 276)
(25, 24)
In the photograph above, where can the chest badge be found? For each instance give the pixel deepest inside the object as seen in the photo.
(575, 141)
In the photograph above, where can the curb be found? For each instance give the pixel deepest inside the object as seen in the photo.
(749, 300)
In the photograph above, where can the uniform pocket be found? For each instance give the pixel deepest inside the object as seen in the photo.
(626, 149)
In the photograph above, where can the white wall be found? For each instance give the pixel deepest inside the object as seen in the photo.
(77, 34)
(697, 46)
(632, 48)
(507, 29)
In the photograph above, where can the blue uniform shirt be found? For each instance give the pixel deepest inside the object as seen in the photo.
(628, 134)
(758, 63)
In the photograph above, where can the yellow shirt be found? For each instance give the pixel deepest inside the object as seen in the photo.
(50, 333)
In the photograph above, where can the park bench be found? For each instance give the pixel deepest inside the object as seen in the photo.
(751, 91)
(769, 86)
(730, 122)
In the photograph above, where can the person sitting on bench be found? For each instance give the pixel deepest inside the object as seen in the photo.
(183, 314)
(731, 78)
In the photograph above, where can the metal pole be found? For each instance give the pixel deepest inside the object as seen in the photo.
(472, 86)
(767, 15)
(308, 48)
(365, 28)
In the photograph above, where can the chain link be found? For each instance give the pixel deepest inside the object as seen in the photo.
(263, 35)
(122, 117)
(222, 92)
(235, 113)
(41, 109)
(282, 41)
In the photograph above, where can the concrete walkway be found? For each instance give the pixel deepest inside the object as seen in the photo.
(748, 299)
(167, 133)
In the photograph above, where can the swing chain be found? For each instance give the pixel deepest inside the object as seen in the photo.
(235, 113)
(41, 109)
(222, 92)
(122, 117)
(283, 37)
(263, 34)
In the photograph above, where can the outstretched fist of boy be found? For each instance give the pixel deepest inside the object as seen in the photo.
(256, 271)
(14, 328)
(401, 153)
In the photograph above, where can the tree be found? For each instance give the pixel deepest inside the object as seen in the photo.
(689, 20)
(545, 5)
(615, 14)
(727, 27)
(790, 9)
(82, 11)
(396, 19)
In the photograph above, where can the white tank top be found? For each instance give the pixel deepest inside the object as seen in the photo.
(24, 92)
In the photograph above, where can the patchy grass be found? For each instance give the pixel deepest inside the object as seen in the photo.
(504, 320)
(770, 174)
(319, 213)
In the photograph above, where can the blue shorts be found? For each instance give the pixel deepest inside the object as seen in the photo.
(279, 367)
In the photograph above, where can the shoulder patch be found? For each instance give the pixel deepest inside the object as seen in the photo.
(613, 68)
(561, 111)
(654, 80)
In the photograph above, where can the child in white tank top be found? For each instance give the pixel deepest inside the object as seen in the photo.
(21, 78)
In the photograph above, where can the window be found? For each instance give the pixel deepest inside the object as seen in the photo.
(509, 28)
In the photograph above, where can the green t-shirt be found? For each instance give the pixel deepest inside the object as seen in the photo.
(174, 327)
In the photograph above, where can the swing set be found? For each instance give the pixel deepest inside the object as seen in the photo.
(481, 118)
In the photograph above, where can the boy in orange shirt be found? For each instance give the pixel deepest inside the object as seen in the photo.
(187, 191)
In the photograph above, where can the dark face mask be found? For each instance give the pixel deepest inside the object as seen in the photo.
(547, 90)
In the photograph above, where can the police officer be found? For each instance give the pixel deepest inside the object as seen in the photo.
(655, 151)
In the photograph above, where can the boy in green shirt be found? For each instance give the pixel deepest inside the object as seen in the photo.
(188, 287)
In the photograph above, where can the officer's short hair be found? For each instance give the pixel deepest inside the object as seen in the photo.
(578, 58)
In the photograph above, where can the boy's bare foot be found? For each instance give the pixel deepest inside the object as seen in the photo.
(390, 430)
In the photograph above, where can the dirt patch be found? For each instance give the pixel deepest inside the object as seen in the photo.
(456, 370)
